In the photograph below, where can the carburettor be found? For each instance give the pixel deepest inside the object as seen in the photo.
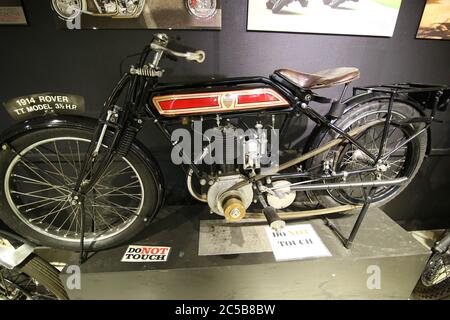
(254, 147)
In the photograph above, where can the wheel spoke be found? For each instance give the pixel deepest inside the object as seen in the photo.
(41, 188)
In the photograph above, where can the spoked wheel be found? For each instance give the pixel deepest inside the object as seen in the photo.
(39, 191)
(36, 279)
(67, 9)
(399, 161)
(435, 280)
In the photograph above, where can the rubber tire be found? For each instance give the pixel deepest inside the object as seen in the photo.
(44, 273)
(355, 111)
(434, 292)
(143, 165)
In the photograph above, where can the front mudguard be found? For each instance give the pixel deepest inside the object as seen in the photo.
(83, 123)
(60, 121)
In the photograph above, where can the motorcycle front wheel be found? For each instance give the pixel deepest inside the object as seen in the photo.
(39, 171)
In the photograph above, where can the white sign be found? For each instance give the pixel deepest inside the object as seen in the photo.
(296, 242)
(146, 254)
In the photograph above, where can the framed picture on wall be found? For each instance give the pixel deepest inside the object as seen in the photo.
(137, 14)
(12, 13)
(350, 17)
(435, 22)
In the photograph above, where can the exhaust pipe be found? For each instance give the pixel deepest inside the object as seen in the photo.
(372, 184)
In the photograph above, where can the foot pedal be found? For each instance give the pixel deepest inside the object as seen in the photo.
(273, 219)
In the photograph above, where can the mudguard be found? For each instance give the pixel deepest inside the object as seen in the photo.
(77, 122)
(353, 102)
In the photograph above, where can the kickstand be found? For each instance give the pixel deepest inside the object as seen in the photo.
(83, 253)
(348, 242)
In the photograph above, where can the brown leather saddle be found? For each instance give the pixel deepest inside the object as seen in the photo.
(321, 79)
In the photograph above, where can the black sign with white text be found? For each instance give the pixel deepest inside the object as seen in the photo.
(40, 104)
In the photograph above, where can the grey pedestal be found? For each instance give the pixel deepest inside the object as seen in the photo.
(381, 248)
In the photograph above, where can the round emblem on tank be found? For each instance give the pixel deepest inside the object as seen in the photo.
(202, 9)
(228, 101)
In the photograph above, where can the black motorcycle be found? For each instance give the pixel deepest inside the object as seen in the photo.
(71, 180)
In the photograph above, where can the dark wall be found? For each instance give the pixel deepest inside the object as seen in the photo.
(41, 58)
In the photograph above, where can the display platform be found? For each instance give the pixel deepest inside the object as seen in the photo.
(384, 263)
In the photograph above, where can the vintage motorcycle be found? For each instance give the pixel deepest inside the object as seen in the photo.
(70, 9)
(71, 181)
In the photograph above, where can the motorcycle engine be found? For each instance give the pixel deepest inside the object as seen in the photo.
(244, 156)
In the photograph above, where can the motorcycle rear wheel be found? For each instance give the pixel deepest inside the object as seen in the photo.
(39, 171)
(404, 162)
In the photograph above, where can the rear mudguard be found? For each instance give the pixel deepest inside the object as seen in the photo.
(353, 102)
(80, 122)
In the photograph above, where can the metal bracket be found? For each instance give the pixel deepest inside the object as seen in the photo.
(348, 242)
(11, 257)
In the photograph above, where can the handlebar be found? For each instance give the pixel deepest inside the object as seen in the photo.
(159, 47)
(197, 56)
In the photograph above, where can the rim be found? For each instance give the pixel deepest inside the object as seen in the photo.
(39, 183)
(348, 158)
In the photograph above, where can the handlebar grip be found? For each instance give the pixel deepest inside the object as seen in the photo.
(198, 56)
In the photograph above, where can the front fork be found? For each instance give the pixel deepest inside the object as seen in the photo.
(124, 129)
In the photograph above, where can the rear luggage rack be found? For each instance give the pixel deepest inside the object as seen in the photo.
(424, 94)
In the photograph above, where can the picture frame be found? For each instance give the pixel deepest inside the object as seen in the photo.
(435, 21)
(343, 17)
(12, 13)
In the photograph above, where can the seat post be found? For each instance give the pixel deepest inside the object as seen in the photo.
(344, 91)
(338, 106)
